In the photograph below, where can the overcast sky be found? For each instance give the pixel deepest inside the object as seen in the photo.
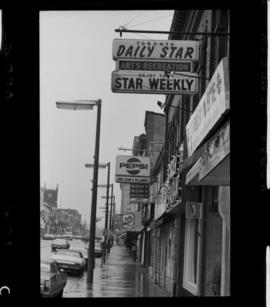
(76, 63)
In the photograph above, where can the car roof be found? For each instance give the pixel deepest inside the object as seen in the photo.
(76, 248)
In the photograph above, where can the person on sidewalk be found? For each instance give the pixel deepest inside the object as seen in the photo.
(134, 251)
(216, 278)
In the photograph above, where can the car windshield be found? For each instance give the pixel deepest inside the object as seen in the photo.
(69, 253)
(60, 241)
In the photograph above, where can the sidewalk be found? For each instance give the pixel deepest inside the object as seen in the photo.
(121, 276)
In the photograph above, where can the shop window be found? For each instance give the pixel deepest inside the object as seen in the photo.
(191, 256)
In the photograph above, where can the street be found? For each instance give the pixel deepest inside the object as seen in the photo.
(121, 276)
(72, 280)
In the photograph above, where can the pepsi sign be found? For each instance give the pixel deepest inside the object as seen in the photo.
(132, 166)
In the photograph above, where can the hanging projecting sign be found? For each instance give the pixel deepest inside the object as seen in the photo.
(128, 220)
(214, 103)
(169, 50)
(132, 169)
(153, 66)
(139, 192)
(154, 82)
(193, 210)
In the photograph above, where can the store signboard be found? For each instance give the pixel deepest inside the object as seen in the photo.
(169, 50)
(218, 149)
(213, 105)
(154, 82)
(192, 177)
(193, 210)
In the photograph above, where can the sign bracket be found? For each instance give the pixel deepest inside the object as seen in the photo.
(124, 30)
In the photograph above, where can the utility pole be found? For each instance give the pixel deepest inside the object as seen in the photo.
(106, 214)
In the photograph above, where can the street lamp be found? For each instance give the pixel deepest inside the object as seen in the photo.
(104, 165)
(88, 105)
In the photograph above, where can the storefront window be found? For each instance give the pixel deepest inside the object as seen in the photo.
(190, 281)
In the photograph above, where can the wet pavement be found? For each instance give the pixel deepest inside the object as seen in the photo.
(121, 276)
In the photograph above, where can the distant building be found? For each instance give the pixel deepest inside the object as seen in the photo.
(50, 196)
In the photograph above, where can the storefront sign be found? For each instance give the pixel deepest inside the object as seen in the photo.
(126, 179)
(214, 103)
(160, 204)
(128, 220)
(192, 177)
(217, 150)
(193, 210)
(154, 82)
(153, 65)
(169, 50)
(139, 192)
(172, 168)
(132, 166)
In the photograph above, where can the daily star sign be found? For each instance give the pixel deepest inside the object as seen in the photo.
(159, 53)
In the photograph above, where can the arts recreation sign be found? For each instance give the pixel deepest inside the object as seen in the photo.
(154, 82)
(213, 105)
(169, 50)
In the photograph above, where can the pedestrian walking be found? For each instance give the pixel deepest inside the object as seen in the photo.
(216, 278)
(134, 251)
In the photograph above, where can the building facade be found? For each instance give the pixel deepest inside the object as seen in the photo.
(186, 235)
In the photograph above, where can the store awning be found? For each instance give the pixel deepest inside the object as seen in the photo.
(213, 167)
(132, 235)
(192, 177)
(219, 175)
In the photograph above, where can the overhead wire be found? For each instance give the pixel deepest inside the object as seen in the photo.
(162, 17)
(140, 14)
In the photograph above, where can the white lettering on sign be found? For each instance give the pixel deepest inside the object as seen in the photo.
(155, 49)
(126, 179)
(151, 65)
(153, 82)
(213, 104)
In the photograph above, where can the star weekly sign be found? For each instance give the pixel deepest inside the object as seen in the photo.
(154, 55)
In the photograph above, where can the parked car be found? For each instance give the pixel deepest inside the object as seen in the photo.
(59, 244)
(70, 260)
(77, 237)
(52, 279)
(98, 249)
(67, 236)
(84, 251)
(49, 236)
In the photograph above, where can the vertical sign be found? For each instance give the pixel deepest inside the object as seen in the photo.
(139, 192)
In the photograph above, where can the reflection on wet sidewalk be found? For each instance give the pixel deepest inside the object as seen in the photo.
(119, 277)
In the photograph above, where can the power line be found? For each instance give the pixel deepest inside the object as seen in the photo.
(140, 14)
(162, 17)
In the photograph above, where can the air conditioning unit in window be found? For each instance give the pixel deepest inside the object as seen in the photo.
(193, 210)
